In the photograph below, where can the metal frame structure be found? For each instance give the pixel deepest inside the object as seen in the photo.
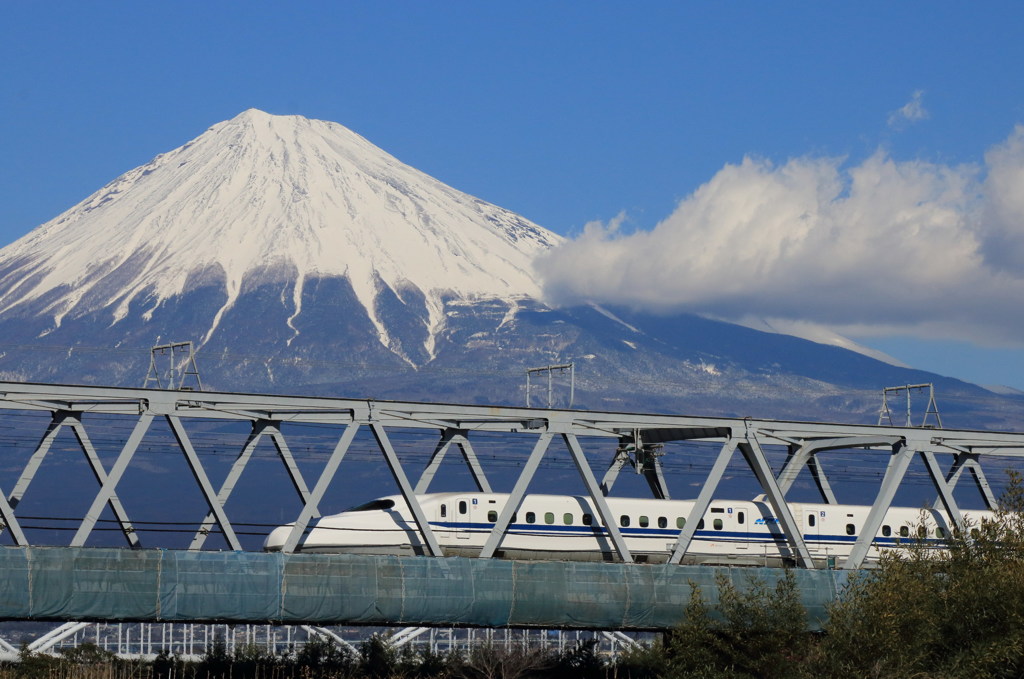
(457, 424)
(178, 368)
(931, 408)
(191, 641)
(550, 370)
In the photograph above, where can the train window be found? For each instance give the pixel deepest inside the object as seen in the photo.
(886, 531)
(567, 519)
(680, 522)
(904, 531)
(717, 524)
(975, 533)
(513, 519)
(718, 510)
(740, 518)
(662, 522)
(588, 520)
(811, 519)
(851, 529)
(549, 517)
(700, 526)
(463, 507)
(492, 516)
(444, 511)
(624, 520)
(940, 532)
(644, 522)
(922, 532)
(372, 505)
(531, 517)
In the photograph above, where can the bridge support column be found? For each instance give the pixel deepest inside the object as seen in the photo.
(309, 509)
(106, 493)
(902, 454)
(515, 498)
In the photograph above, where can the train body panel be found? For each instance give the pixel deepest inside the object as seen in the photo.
(565, 527)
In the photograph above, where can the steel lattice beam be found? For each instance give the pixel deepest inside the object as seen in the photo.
(458, 425)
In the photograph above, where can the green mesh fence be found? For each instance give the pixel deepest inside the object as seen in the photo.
(68, 583)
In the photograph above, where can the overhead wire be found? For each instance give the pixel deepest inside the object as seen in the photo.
(226, 361)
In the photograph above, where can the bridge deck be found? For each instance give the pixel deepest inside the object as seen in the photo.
(106, 584)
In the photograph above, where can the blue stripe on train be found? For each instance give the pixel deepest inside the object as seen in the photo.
(551, 530)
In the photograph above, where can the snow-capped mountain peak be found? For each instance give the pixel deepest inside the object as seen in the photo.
(270, 197)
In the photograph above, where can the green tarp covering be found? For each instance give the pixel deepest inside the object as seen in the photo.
(68, 583)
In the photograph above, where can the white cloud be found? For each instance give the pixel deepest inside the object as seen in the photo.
(1002, 221)
(911, 112)
(881, 247)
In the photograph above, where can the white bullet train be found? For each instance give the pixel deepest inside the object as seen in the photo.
(563, 527)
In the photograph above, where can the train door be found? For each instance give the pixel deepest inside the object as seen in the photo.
(810, 526)
(738, 519)
(444, 518)
(463, 517)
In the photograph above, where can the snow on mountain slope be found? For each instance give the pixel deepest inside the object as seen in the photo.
(276, 197)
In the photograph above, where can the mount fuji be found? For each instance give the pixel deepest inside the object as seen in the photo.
(300, 258)
(265, 200)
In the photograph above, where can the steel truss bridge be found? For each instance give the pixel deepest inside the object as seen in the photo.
(46, 579)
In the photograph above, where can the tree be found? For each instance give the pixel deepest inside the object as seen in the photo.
(322, 657)
(580, 662)
(493, 661)
(953, 612)
(759, 631)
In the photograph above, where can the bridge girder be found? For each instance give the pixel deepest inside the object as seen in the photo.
(456, 425)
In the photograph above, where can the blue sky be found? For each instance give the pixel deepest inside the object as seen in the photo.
(688, 136)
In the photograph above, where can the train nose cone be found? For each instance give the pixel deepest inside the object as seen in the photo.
(275, 540)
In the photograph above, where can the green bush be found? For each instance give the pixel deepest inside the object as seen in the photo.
(495, 661)
(581, 662)
(957, 612)
(320, 657)
(759, 631)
